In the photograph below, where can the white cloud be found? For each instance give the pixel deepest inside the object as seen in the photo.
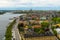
(15, 3)
(29, 3)
(46, 3)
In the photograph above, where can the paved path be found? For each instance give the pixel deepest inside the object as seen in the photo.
(16, 35)
(51, 26)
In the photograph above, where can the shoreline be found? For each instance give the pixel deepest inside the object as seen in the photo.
(8, 33)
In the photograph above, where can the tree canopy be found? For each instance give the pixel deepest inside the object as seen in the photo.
(45, 24)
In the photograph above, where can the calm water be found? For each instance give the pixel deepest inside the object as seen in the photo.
(4, 21)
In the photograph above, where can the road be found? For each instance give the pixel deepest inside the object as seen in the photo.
(50, 25)
(15, 31)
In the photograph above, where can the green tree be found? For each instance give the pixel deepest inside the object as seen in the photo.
(45, 24)
(55, 32)
(38, 30)
(56, 19)
(41, 31)
(8, 34)
(53, 27)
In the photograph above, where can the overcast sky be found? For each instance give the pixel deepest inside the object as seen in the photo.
(29, 3)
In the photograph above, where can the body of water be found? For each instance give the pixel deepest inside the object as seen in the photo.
(4, 21)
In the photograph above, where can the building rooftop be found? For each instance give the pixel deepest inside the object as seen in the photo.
(36, 26)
